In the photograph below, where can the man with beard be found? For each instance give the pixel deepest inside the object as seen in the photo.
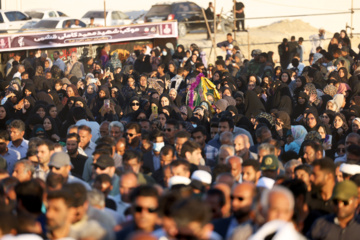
(344, 222)
(11, 156)
(251, 171)
(133, 134)
(77, 160)
(242, 196)
(59, 213)
(234, 162)
(242, 145)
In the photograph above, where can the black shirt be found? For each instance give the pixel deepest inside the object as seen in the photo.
(78, 162)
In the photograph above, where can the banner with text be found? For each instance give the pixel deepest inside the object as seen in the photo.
(86, 36)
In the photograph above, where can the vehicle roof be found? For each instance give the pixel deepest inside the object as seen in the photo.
(58, 19)
(171, 3)
(12, 10)
(40, 10)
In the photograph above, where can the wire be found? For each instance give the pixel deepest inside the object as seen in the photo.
(285, 5)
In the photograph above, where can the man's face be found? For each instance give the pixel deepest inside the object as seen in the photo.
(109, 171)
(145, 212)
(309, 154)
(44, 154)
(170, 131)
(223, 154)
(351, 141)
(116, 133)
(57, 214)
(214, 203)
(132, 165)
(279, 208)
(241, 200)
(235, 166)
(131, 135)
(55, 55)
(303, 175)
(166, 159)
(224, 127)
(127, 184)
(248, 174)
(104, 130)
(345, 209)
(229, 38)
(3, 145)
(178, 144)
(239, 145)
(199, 138)
(63, 171)
(145, 125)
(71, 145)
(318, 177)
(85, 138)
(213, 131)
(289, 172)
(16, 134)
(20, 173)
(120, 148)
(180, 171)
(195, 157)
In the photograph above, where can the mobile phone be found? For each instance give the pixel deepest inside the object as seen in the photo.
(107, 103)
(154, 110)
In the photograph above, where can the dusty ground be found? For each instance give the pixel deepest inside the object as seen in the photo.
(266, 38)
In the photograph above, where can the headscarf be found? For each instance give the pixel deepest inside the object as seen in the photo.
(298, 132)
(285, 118)
(343, 87)
(339, 100)
(253, 105)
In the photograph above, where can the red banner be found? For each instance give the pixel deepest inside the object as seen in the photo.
(86, 36)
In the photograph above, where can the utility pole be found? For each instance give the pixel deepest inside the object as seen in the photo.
(352, 18)
(105, 12)
(234, 17)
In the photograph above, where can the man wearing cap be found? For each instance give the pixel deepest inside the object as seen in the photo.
(201, 181)
(344, 224)
(254, 64)
(60, 164)
(105, 165)
(270, 166)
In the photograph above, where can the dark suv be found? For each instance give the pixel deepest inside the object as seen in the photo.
(183, 12)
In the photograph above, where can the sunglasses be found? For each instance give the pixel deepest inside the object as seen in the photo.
(130, 134)
(101, 168)
(168, 129)
(238, 198)
(135, 104)
(336, 202)
(52, 167)
(139, 209)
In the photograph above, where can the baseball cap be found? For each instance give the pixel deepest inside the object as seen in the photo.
(60, 159)
(104, 161)
(269, 162)
(344, 190)
(255, 52)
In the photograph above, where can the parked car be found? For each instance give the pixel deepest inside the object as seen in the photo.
(45, 13)
(12, 21)
(113, 18)
(57, 23)
(184, 12)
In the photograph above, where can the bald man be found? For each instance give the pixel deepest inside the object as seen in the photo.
(242, 146)
(234, 162)
(242, 196)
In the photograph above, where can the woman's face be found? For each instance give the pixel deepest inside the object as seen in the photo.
(26, 104)
(143, 81)
(15, 86)
(90, 89)
(79, 104)
(227, 93)
(266, 80)
(179, 49)
(355, 126)
(342, 34)
(41, 112)
(141, 116)
(70, 92)
(216, 77)
(340, 150)
(53, 112)
(330, 106)
(298, 82)
(172, 95)
(172, 68)
(47, 124)
(311, 120)
(131, 82)
(341, 73)
(102, 94)
(193, 58)
(284, 77)
(27, 93)
(164, 101)
(162, 119)
(114, 92)
(2, 113)
(322, 132)
(301, 100)
(210, 99)
(47, 64)
(325, 118)
(135, 105)
(338, 122)
(252, 80)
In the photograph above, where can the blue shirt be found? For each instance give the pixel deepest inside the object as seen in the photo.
(22, 148)
(11, 157)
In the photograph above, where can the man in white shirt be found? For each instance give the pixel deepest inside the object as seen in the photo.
(80, 118)
(18, 143)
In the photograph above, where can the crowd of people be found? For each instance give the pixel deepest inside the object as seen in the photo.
(163, 145)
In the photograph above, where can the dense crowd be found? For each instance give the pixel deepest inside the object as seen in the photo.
(161, 144)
